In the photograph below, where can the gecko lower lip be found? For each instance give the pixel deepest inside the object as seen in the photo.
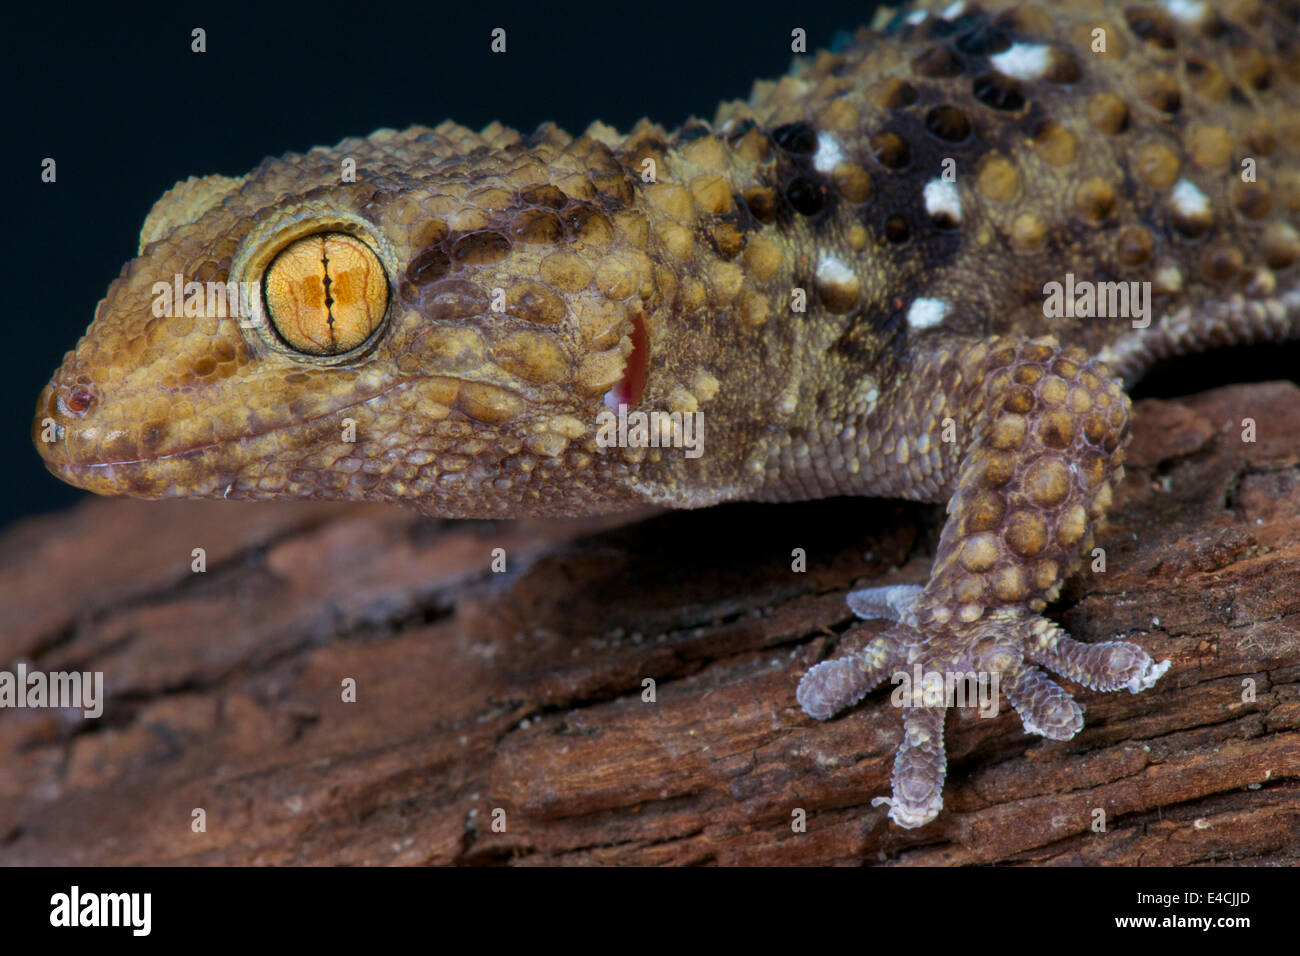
(121, 478)
(92, 466)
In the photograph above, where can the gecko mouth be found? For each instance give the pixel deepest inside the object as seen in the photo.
(123, 478)
(200, 470)
(268, 461)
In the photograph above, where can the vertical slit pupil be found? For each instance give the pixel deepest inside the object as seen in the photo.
(329, 299)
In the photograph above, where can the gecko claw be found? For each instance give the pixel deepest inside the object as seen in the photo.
(1151, 672)
(906, 815)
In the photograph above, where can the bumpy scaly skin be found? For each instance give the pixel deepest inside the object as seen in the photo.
(531, 278)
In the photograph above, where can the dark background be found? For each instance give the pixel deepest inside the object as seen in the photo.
(115, 96)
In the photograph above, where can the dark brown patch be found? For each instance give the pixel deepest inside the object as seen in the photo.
(761, 202)
(544, 195)
(983, 39)
(998, 92)
(428, 267)
(453, 299)
(938, 63)
(483, 248)
(890, 150)
(1152, 24)
(948, 123)
(537, 226)
(897, 230)
(806, 196)
(898, 94)
(799, 138)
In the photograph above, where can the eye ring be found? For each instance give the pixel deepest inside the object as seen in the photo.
(315, 286)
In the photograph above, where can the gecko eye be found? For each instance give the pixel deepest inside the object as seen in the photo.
(325, 294)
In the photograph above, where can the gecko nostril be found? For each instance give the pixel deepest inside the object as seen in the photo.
(76, 402)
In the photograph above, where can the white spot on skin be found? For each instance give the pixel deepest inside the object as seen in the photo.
(865, 395)
(917, 16)
(1189, 11)
(828, 154)
(953, 10)
(1023, 61)
(941, 199)
(1188, 200)
(831, 269)
(869, 399)
(1168, 279)
(927, 313)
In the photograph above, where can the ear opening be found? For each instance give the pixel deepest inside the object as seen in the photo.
(628, 390)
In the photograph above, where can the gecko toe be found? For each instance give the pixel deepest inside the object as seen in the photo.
(831, 686)
(1044, 707)
(920, 767)
(1148, 673)
(1108, 666)
(892, 603)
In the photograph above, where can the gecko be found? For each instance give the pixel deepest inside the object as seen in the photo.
(927, 264)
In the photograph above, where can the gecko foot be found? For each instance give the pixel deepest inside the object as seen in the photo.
(951, 664)
(1033, 473)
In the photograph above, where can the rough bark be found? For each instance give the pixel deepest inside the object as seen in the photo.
(481, 692)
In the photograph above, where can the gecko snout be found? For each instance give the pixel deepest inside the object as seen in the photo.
(65, 419)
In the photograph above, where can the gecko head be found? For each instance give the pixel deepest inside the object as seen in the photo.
(405, 317)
